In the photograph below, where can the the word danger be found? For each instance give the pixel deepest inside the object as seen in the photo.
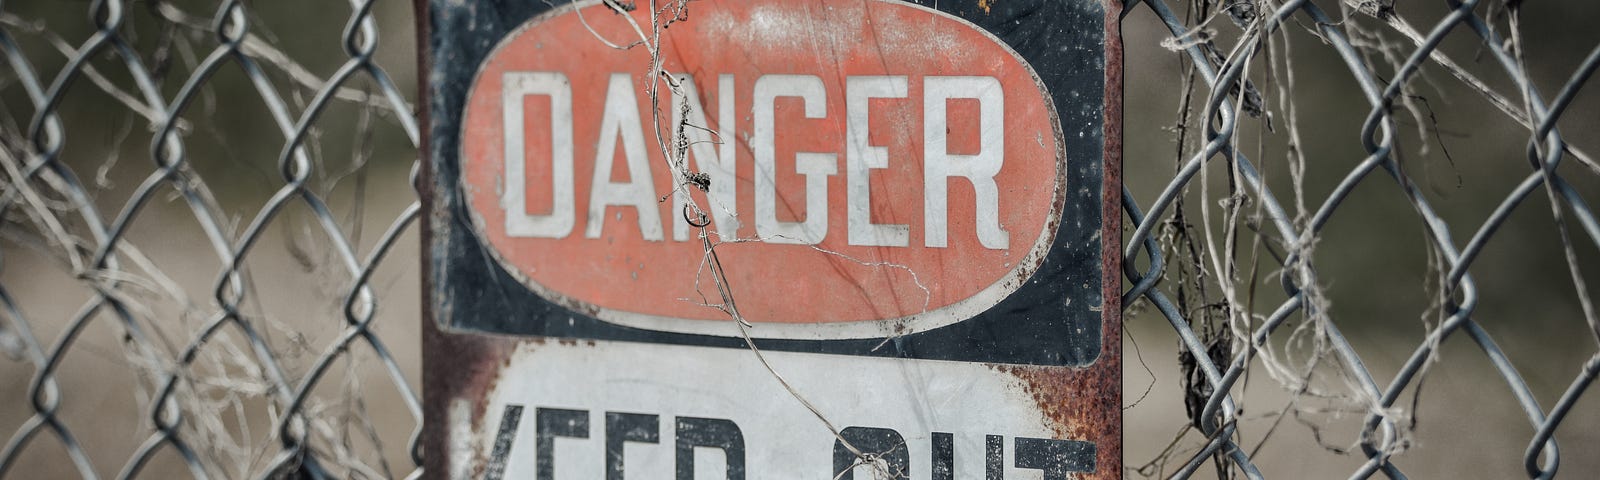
(1054, 458)
(623, 143)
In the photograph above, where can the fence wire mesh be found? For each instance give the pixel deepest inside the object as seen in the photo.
(1248, 230)
(162, 62)
(283, 369)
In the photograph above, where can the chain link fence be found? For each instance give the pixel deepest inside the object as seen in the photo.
(228, 385)
(217, 306)
(1207, 274)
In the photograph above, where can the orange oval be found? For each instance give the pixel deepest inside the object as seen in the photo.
(825, 130)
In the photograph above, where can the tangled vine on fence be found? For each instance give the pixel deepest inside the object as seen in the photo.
(191, 369)
(1217, 258)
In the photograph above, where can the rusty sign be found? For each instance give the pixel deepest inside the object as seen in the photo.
(772, 239)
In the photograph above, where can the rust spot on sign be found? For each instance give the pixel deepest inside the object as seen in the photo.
(1080, 404)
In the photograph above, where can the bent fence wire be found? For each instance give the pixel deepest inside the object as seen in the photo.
(204, 372)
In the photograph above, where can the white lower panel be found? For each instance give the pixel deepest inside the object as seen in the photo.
(644, 397)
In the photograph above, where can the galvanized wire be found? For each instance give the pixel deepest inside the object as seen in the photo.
(43, 194)
(98, 262)
(1226, 73)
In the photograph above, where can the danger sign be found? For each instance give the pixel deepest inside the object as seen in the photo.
(909, 205)
(824, 168)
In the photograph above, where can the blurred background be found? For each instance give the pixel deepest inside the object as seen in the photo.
(133, 307)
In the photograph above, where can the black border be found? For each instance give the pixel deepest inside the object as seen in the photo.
(1063, 41)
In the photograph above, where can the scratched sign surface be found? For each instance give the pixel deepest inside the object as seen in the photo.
(907, 206)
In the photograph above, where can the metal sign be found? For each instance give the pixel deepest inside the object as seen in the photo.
(816, 240)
